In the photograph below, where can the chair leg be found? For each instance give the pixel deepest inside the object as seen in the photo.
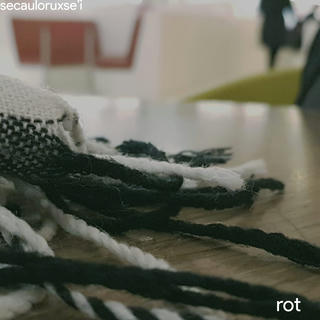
(45, 53)
(89, 54)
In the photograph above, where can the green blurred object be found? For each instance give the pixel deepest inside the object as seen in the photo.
(274, 87)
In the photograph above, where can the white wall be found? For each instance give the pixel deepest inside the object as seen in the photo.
(205, 51)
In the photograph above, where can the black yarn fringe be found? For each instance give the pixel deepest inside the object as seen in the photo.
(203, 158)
(255, 300)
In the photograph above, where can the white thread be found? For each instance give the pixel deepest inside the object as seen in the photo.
(79, 300)
(95, 147)
(11, 224)
(48, 229)
(119, 310)
(80, 228)
(82, 304)
(251, 168)
(254, 168)
(38, 244)
(19, 302)
(33, 240)
(213, 175)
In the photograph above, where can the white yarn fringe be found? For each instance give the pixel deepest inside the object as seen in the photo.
(212, 176)
(80, 228)
(251, 168)
(21, 301)
(230, 178)
(19, 228)
(22, 101)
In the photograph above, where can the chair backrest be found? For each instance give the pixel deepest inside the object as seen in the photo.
(126, 61)
(274, 88)
(66, 40)
(69, 43)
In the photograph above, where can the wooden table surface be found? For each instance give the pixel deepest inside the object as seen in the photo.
(285, 137)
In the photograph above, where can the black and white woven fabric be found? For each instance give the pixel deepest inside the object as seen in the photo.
(36, 127)
(50, 169)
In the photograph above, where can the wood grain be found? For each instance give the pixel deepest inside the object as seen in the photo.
(285, 137)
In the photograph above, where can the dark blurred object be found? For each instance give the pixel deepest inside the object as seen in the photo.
(275, 35)
(309, 95)
(203, 158)
(294, 37)
(102, 140)
(136, 148)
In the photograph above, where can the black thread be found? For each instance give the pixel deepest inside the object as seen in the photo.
(203, 158)
(154, 284)
(88, 164)
(141, 149)
(298, 251)
(99, 195)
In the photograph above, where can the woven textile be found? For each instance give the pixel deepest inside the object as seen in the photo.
(35, 126)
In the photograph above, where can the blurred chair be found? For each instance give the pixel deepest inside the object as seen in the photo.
(57, 43)
(274, 88)
(67, 43)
